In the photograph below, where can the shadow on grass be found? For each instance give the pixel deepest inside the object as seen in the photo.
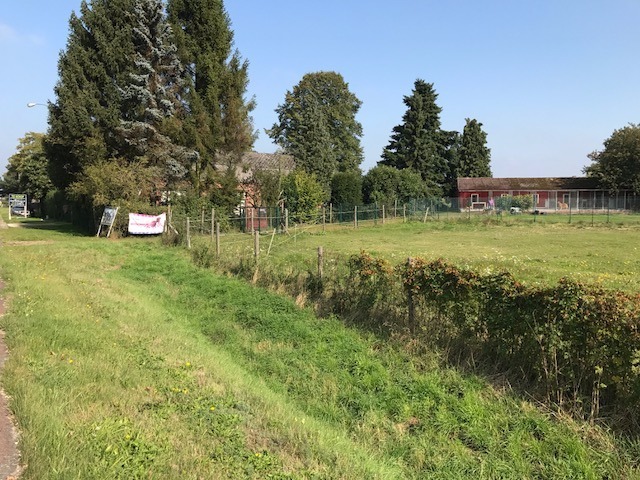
(55, 226)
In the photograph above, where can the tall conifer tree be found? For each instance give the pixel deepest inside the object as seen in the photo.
(86, 113)
(221, 128)
(417, 143)
(153, 97)
(474, 155)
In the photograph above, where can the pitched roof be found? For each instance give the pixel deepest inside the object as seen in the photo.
(466, 184)
(268, 161)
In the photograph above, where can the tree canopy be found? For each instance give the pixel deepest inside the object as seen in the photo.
(157, 90)
(617, 166)
(27, 169)
(417, 143)
(220, 126)
(474, 155)
(440, 156)
(317, 125)
(387, 185)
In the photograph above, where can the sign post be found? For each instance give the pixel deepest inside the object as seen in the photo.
(18, 200)
(108, 217)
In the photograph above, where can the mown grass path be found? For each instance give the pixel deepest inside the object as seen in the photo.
(129, 362)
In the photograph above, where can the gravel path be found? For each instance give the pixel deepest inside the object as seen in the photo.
(9, 455)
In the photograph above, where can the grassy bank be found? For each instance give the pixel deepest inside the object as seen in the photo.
(129, 362)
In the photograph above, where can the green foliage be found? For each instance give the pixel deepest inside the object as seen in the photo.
(346, 188)
(385, 185)
(577, 343)
(264, 187)
(87, 111)
(474, 155)
(220, 123)
(523, 202)
(152, 98)
(303, 195)
(225, 194)
(417, 142)
(617, 166)
(317, 125)
(27, 169)
(108, 181)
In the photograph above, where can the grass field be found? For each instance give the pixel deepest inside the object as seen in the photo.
(129, 362)
(543, 252)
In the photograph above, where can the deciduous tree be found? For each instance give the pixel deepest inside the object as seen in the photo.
(317, 125)
(387, 185)
(617, 166)
(27, 169)
(303, 194)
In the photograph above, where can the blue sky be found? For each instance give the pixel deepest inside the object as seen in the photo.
(549, 80)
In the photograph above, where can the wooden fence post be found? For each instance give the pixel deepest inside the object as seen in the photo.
(331, 213)
(256, 245)
(411, 304)
(355, 217)
(404, 213)
(218, 239)
(188, 233)
(213, 223)
(324, 218)
(383, 212)
(320, 262)
(286, 220)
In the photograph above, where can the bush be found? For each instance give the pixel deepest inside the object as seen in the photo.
(523, 202)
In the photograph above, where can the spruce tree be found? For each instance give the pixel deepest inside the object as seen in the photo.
(219, 127)
(86, 112)
(474, 155)
(152, 99)
(417, 143)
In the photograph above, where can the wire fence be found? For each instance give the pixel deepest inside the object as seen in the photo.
(589, 209)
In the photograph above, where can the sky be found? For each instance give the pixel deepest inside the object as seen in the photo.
(550, 80)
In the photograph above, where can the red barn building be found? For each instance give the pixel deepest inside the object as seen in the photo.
(548, 194)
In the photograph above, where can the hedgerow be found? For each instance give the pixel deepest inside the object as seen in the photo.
(578, 345)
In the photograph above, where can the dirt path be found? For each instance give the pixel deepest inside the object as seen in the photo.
(9, 455)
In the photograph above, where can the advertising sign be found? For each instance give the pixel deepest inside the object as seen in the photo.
(108, 217)
(140, 224)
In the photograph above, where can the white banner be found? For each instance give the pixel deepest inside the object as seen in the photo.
(140, 224)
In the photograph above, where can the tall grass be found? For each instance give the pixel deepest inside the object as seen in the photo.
(129, 362)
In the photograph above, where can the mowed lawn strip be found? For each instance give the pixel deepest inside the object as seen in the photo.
(128, 362)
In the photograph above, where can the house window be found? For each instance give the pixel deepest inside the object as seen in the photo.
(566, 197)
(475, 198)
(536, 199)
